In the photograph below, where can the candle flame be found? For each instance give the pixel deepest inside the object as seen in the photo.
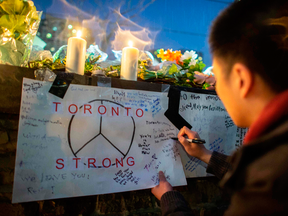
(130, 43)
(79, 33)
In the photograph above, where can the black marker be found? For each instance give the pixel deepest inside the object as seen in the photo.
(195, 140)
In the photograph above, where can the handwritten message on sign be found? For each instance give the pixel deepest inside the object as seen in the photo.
(209, 118)
(96, 140)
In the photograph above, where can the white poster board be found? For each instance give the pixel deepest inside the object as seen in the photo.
(94, 141)
(209, 118)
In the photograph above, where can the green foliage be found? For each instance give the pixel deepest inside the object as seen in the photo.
(206, 85)
(190, 75)
(90, 64)
(112, 71)
(47, 63)
(173, 69)
(186, 63)
(199, 66)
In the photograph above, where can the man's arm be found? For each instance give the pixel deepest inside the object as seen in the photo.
(172, 202)
(218, 164)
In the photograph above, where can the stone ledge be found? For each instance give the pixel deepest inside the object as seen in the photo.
(9, 121)
(10, 86)
(7, 162)
(6, 177)
(3, 137)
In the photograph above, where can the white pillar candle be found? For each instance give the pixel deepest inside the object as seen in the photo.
(76, 52)
(129, 63)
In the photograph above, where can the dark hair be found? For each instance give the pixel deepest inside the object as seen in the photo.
(255, 33)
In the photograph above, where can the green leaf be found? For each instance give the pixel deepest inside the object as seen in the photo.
(193, 68)
(186, 62)
(14, 23)
(190, 75)
(201, 66)
(173, 69)
(206, 85)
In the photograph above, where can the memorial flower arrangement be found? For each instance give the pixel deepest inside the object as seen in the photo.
(180, 69)
(176, 68)
(19, 22)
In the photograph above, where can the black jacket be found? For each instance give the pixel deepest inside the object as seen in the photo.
(256, 173)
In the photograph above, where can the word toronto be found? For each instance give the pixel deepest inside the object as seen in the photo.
(84, 163)
(103, 110)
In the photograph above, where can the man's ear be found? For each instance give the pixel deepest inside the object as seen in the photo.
(243, 79)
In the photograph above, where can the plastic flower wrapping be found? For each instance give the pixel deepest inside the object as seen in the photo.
(19, 22)
(93, 51)
(41, 60)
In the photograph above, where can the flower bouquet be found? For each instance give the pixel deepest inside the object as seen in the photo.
(19, 22)
(178, 69)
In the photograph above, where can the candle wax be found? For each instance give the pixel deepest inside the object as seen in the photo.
(76, 52)
(129, 63)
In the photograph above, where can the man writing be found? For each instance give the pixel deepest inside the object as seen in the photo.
(249, 44)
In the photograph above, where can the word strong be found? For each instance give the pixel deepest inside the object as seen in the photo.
(91, 109)
(77, 163)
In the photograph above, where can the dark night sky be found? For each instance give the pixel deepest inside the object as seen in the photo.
(181, 24)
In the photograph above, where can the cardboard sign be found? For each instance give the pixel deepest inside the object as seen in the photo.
(95, 140)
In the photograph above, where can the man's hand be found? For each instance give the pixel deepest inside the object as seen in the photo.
(196, 150)
(163, 187)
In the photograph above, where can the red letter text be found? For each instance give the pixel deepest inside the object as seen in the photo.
(76, 161)
(141, 111)
(76, 108)
(130, 163)
(103, 162)
(57, 161)
(89, 109)
(121, 163)
(102, 113)
(93, 163)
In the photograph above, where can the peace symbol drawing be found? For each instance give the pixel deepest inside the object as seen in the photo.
(101, 136)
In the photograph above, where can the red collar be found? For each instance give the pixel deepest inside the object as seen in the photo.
(276, 108)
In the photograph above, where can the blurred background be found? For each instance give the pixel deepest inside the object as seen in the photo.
(154, 24)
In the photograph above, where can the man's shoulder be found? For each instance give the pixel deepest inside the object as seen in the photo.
(262, 162)
(259, 176)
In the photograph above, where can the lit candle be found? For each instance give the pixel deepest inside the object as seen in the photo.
(76, 52)
(129, 62)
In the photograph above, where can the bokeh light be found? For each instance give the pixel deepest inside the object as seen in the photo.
(48, 35)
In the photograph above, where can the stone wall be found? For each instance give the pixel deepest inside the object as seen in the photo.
(203, 194)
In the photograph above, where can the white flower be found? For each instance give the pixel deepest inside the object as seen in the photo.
(192, 62)
(192, 54)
